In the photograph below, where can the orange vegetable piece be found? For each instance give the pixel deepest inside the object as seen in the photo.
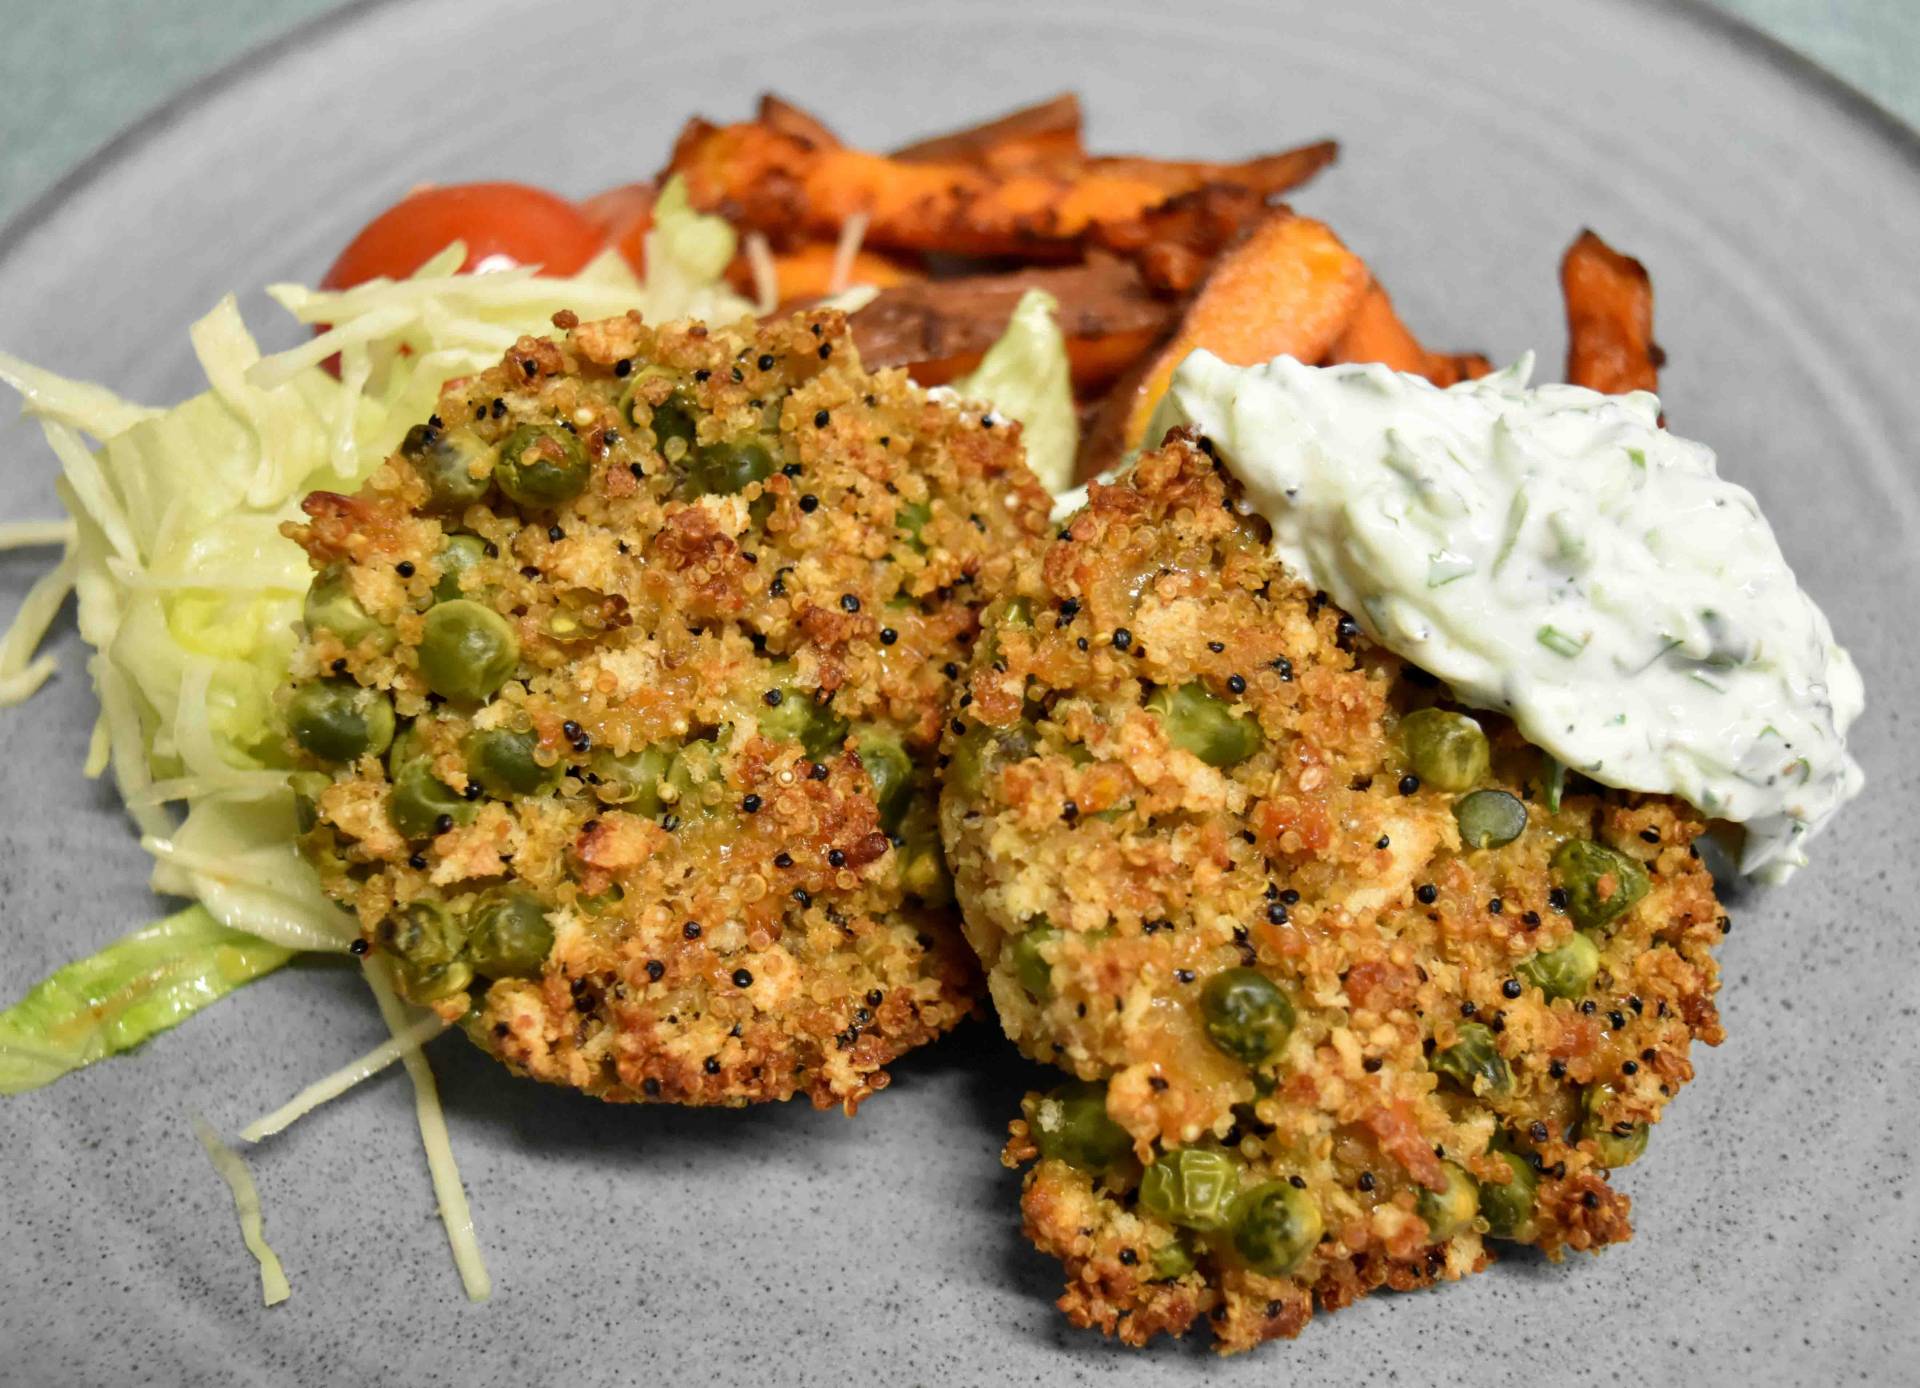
(1375, 333)
(1289, 289)
(1610, 346)
(769, 180)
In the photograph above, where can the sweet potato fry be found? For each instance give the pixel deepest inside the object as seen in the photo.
(1290, 288)
(1045, 135)
(1375, 333)
(1610, 346)
(777, 113)
(941, 327)
(768, 180)
(806, 271)
(1174, 243)
(1269, 174)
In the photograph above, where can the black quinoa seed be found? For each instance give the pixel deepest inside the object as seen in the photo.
(809, 503)
(751, 804)
(849, 603)
(766, 361)
(1284, 668)
(404, 568)
(623, 367)
(691, 930)
(1409, 784)
(1427, 893)
(358, 947)
(888, 636)
(1511, 988)
(742, 978)
(656, 970)
(1122, 638)
(821, 419)
(1236, 684)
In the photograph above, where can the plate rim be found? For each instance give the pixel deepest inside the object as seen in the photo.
(1802, 69)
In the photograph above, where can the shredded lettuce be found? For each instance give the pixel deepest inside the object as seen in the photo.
(447, 1189)
(246, 1203)
(136, 987)
(332, 1086)
(189, 594)
(1026, 376)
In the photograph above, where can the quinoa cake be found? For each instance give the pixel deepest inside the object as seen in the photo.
(1351, 981)
(618, 699)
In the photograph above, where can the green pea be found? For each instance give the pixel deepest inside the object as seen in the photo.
(421, 932)
(510, 937)
(675, 425)
(1449, 1210)
(912, 517)
(727, 467)
(1446, 750)
(467, 651)
(1509, 1208)
(504, 764)
(983, 750)
(923, 870)
(462, 552)
(307, 787)
(1473, 1061)
(337, 720)
(632, 779)
(453, 465)
(1275, 1225)
(693, 768)
(1026, 959)
(1565, 972)
(1071, 1124)
(425, 983)
(331, 606)
(891, 771)
(1601, 884)
(1193, 1187)
(1246, 1014)
(1170, 1260)
(420, 801)
(800, 717)
(1615, 1144)
(1489, 818)
(542, 466)
(1201, 722)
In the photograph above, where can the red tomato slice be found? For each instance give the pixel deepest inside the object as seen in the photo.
(502, 224)
(624, 215)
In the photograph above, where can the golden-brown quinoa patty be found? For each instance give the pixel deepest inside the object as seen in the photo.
(666, 619)
(1180, 787)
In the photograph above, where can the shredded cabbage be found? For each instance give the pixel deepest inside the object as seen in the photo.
(189, 594)
(1025, 375)
(346, 1077)
(138, 986)
(447, 1188)
(246, 1203)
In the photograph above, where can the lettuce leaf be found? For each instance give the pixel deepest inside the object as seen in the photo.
(1025, 375)
(137, 987)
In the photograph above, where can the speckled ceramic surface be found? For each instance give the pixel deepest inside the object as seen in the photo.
(1778, 1211)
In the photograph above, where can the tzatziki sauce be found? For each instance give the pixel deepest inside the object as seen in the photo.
(1554, 555)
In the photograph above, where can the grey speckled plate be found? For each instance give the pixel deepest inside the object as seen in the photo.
(1778, 1211)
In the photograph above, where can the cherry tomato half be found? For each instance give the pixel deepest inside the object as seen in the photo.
(502, 224)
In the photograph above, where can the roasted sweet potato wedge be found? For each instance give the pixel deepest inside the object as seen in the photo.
(1610, 346)
(780, 183)
(1375, 333)
(1045, 135)
(1289, 288)
(940, 328)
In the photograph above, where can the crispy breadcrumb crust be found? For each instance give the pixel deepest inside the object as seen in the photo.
(1318, 862)
(763, 935)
